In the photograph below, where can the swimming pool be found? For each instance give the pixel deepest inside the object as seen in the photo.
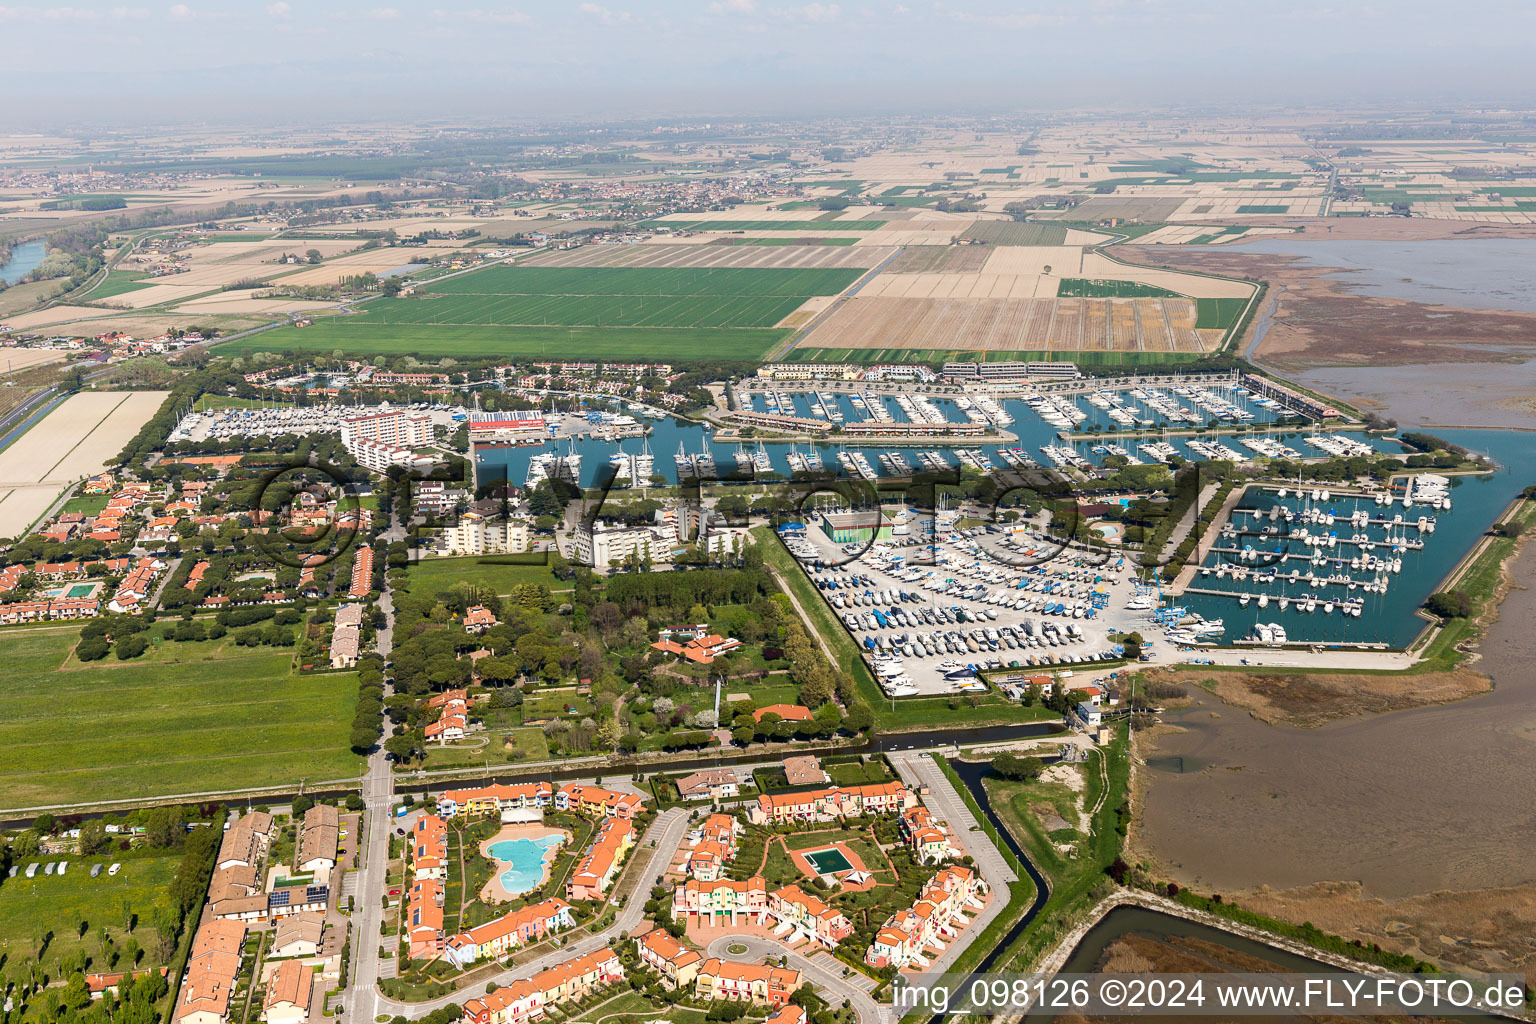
(828, 861)
(526, 858)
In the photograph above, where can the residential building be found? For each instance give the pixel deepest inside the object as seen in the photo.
(497, 938)
(603, 544)
(675, 962)
(429, 847)
(727, 979)
(525, 1001)
(909, 937)
(290, 991)
(715, 783)
(701, 649)
(599, 866)
(319, 836)
(476, 535)
(398, 427)
(497, 798)
(212, 967)
(596, 801)
(298, 935)
(930, 841)
(246, 840)
(829, 804)
(809, 915)
(722, 901)
(478, 619)
(786, 713)
(805, 770)
(346, 636)
(424, 919)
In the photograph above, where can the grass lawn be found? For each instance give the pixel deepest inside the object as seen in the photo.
(435, 574)
(33, 908)
(635, 1006)
(156, 726)
(87, 504)
(518, 743)
(857, 773)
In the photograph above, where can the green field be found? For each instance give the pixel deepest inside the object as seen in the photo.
(615, 297)
(436, 574)
(117, 283)
(1218, 314)
(1084, 288)
(578, 312)
(160, 726)
(47, 904)
(1264, 208)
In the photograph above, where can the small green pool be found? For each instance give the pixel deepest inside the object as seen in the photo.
(829, 861)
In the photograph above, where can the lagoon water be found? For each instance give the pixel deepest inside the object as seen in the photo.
(526, 857)
(24, 259)
(1474, 273)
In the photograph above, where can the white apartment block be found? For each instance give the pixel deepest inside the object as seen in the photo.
(397, 427)
(380, 456)
(604, 545)
(475, 536)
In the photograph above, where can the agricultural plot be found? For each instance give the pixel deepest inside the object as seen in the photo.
(163, 726)
(1152, 324)
(766, 225)
(1010, 232)
(1090, 289)
(582, 312)
(939, 259)
(736, 252)
(75, 440)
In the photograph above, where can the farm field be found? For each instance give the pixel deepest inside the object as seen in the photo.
(935, 356)
(117, 730)
(1008, 232)
(73, 441)
(52, 904)
(741, 252)
(586, 312)
(767, 225)
(1013, 324)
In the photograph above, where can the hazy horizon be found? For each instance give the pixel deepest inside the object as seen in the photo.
(288, 61)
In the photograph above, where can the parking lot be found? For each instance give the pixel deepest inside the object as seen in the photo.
(931, 604)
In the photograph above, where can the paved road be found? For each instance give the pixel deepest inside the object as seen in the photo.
(823, 972)
(362, 995)
(918, 770)
(666, 832)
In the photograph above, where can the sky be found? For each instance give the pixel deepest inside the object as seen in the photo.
(620, 58)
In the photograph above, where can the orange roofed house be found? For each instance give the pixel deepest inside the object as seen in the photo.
(211, 971)
(727, 979)
(832, 803)
(676, 963)
(701, 649)
(527, 1000)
